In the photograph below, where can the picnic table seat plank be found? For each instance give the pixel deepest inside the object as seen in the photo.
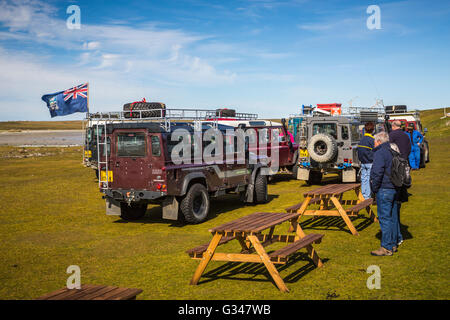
(69, 293)
(359, 206)
(119, 294)
(60, 292)
(297, 206)
(92, 292)
(297, 245)
(203, 247)
(101, 290)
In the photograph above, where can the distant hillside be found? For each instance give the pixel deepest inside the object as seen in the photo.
(437, 127)
(40, 125)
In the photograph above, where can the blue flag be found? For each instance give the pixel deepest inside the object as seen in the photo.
(67, 102)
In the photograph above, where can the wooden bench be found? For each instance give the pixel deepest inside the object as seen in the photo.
(197, 252)
(248, 231)
(281, 255)
(331, 198)
(359, 206)
(92, 292)
(297, 206)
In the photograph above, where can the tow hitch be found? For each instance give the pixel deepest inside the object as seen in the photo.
(130, 196)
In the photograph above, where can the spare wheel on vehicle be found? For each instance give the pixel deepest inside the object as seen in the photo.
(152, 109)
(322, 148)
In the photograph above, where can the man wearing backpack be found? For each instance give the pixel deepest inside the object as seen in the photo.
(386, 195)
(399, 137)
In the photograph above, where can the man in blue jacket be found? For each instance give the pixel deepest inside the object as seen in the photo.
(416, 140)
(401, 139)
(386, 194)
(365, 156)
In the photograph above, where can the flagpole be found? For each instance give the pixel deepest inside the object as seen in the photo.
(88, 97)
(83, 125)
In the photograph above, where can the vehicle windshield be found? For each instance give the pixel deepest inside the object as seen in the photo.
(131, 145)
(327, 128)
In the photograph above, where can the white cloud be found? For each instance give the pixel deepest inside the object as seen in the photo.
(117, 47)
(91, 45)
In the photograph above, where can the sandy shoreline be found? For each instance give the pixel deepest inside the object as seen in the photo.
(44, 138)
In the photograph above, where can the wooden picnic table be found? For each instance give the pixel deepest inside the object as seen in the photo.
(329, 198)
(248, 231)
(92, 292)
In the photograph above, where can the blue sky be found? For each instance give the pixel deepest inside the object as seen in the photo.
(262, 56)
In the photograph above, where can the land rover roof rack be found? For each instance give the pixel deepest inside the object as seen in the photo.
(166, 116)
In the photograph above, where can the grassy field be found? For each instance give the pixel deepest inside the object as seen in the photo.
(52, 216)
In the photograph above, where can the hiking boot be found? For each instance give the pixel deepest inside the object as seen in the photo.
(382, 252)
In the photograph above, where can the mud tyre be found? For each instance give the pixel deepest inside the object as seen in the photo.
(135, 211)
(260, 195)
(322, 148)
(134, 109)
(195, 205)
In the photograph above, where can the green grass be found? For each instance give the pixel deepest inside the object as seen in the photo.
(52, 216)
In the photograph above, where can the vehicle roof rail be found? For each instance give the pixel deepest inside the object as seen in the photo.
(166, 116)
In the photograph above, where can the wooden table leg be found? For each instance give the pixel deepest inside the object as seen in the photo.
(314, 256)
(311, 251)
(269, 265)
(368, 209)
(344, 215)
(207, 255)
(245, 244)
(301, 210)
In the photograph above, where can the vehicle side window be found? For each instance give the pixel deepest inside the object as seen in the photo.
(344, 132)
(108, 147)
(156, 146)
(89, 135)
(276, 135)
(380, 128)
(355, 133)
(263, 135)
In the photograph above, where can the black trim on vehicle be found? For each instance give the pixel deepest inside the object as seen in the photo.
(121, 195)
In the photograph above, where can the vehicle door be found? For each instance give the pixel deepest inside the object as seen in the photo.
(131, 159)
(157, 180)
(236, 172)
(345, 147)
